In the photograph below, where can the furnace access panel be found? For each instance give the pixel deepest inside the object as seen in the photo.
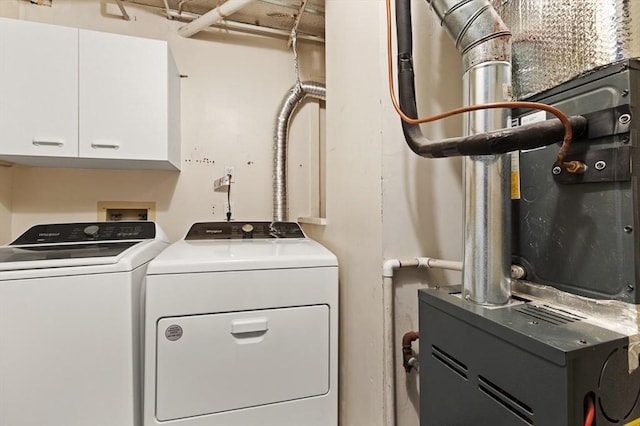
(579, 233)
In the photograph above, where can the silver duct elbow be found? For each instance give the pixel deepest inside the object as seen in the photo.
(293, 98)
(477, 29)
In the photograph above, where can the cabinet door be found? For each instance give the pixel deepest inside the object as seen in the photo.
(38, 87)
(123, 97)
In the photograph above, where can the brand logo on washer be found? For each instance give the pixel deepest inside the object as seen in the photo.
(173, 332)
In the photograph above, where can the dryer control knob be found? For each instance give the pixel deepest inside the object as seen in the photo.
(91, 230)
(247, 230)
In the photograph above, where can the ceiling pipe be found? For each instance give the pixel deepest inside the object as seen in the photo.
(294, 96)
(241, 26)
(215, 15)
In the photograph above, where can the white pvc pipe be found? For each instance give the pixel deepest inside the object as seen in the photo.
(241, 26)
(452, 265)
(211, 17)
(388, 353)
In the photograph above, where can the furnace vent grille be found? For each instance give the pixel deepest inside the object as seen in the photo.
(548, 314)
(449, 361)
(508, 401)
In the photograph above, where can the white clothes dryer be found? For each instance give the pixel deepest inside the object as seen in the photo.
(241, 328)
(70, 309)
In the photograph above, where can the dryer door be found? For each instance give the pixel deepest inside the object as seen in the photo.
(219, 362)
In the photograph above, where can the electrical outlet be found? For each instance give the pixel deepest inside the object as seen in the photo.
(230, 170)
(225, 180)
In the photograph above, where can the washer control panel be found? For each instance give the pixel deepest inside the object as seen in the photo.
(243, 230)
(85, 232)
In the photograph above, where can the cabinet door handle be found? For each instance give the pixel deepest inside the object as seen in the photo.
(40, 142)
(101, 145)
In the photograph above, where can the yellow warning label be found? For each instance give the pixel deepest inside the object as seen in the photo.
(515, 175)
(636, 422)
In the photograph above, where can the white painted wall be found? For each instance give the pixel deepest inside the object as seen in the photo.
(383, 201)
(354, 192)
(230, 99)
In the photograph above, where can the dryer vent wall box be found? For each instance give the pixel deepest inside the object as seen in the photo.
(241, 327)
(70, 305)
(81, 98)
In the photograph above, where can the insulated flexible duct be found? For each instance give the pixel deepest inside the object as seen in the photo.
(555, 41)
(294, 96)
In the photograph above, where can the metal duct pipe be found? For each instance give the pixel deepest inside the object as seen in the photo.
(486, 277)
(475, 26)
(485, 43)
(294, 96)
(221, 12)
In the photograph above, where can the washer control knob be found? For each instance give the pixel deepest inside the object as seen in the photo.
(91, 230)
(247, 230)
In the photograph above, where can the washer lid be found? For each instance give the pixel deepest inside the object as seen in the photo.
(240, 255)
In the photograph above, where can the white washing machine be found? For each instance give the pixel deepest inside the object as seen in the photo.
(241, 328)
(70, 310)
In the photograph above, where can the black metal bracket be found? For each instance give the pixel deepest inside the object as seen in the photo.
(612, 121)
(603, 165)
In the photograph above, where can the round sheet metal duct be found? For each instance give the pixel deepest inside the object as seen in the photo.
(485, 43)
(486, 276)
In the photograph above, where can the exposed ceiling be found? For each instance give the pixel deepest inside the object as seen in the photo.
(271, 14)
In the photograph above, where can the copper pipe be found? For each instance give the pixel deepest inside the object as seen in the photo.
(407, 353)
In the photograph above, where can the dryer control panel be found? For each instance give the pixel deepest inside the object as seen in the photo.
(243, 230)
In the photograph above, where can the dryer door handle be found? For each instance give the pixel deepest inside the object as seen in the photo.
(249, 326)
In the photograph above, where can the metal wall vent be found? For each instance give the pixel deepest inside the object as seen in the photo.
(548, 314)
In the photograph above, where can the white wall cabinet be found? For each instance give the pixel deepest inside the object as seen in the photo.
(38, 89)
(79, 98)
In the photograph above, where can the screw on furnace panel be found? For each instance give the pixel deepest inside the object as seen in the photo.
(600, 165)
(556, 170)
(624, 119)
